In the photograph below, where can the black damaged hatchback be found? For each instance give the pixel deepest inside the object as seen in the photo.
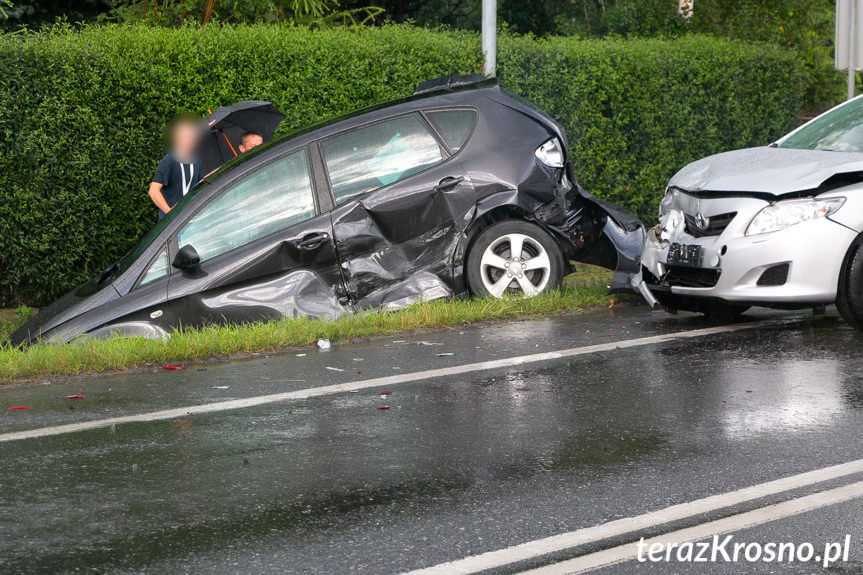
(461, 188)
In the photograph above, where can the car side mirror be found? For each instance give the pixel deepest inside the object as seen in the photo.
(187, 258)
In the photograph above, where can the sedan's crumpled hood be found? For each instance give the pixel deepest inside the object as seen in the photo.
(765, 170)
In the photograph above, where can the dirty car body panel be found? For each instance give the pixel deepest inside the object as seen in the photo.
(375, 210)
(769, 226)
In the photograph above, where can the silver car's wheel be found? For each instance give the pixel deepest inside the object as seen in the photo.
(849, 298)
(514, 258)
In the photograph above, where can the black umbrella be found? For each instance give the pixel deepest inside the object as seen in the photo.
(224, 127)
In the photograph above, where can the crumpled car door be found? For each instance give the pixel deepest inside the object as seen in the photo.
(264, 253)
(396, 245)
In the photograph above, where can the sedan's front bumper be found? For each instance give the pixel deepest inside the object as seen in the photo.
(748, 269)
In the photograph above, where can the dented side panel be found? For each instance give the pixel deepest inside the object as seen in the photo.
(277, 276)
(396, 246)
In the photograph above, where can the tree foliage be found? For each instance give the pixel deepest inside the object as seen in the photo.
(316, 13)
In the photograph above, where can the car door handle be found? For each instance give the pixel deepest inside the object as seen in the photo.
(312, 241)
(448, 183)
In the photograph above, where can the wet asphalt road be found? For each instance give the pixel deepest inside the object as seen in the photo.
(456, 466)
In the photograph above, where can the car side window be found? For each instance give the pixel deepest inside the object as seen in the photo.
(158, 268)
(273, 198)
(368, 158)
(454, 125)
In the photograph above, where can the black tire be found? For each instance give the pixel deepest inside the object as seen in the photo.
(849, 297)
(494, 236)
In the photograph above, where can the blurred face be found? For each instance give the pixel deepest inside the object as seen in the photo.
(184, 139)
(250, 142)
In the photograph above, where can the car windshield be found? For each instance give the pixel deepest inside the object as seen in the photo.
(839, 130)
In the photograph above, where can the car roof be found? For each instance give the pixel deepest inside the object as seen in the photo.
(427, 92)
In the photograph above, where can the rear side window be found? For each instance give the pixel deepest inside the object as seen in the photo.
(271, 199)
(454, 125)
(378, 155)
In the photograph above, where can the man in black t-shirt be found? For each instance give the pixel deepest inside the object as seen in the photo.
(178, 172)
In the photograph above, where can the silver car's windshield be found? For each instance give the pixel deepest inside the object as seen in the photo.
(839, 130)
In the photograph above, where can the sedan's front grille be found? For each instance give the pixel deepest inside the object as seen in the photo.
(691, 277)
(712, 226)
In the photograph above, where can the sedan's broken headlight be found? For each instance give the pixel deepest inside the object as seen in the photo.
(781, 215)
(667, 203)
(551, 153)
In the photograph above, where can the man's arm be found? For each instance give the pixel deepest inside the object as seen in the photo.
(155, 193)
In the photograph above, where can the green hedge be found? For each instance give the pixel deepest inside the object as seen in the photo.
(82, 115)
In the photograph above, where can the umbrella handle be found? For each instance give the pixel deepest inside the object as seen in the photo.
(229, 142)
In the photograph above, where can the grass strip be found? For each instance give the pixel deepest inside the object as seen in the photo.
(93, 356)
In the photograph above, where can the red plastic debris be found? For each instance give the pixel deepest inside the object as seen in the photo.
(19, 408)
(359, 373)
(74, 397)
(522, 389)
(172, 367)
(607, 335)
(384, 408)
(385, 393)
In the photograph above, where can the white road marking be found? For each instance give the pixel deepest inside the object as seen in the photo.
(704, 531)
(389, 381)
(555, 543)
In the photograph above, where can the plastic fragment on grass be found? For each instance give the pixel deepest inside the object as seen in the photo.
(324, 344)
(384, 408)
(221, 387)
(383, 393)
(172, 367)
(446, 354)
(301, 355)
(352, 391)
(334, 368)
(19, 408)
(74, 397)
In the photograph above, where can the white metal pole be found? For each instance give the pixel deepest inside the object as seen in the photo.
(489, 37)
(852, 47)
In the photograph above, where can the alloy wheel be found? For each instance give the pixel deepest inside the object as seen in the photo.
(515, 264)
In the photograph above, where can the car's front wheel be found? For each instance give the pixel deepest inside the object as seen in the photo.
(849, 298)
(514, 258)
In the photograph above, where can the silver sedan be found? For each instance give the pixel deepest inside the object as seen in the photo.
(776, 226)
